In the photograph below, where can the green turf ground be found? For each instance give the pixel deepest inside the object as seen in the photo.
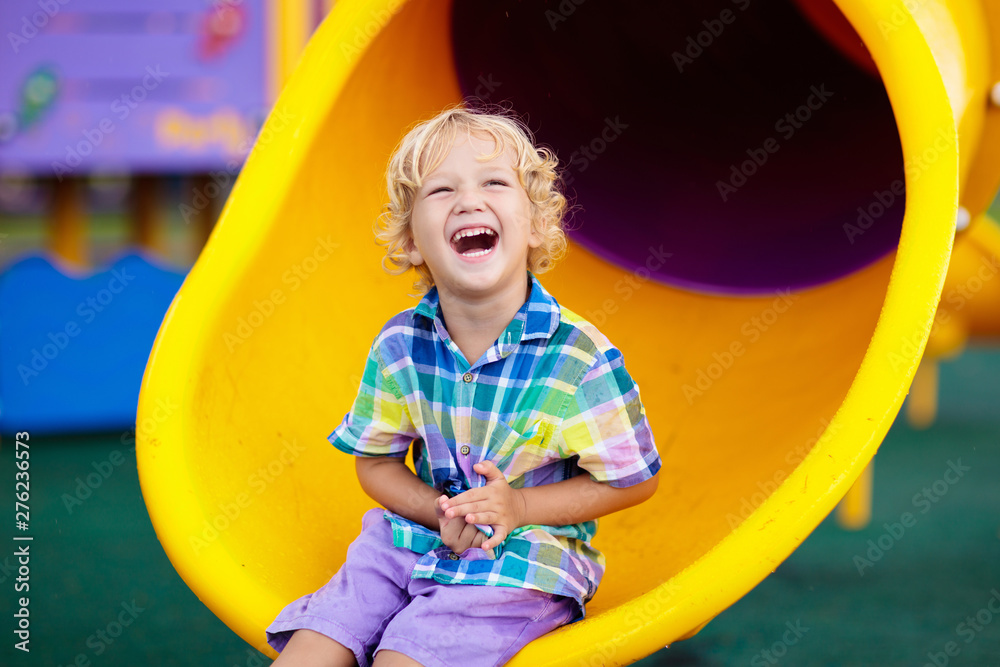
(98, 562)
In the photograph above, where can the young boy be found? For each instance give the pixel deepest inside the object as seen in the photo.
(524, 423)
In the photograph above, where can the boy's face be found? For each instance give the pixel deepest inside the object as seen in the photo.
(484, 201)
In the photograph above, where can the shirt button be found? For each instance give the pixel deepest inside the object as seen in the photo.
(465, 449)
(453, 556)
(467, 377)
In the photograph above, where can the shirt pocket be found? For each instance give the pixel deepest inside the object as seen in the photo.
(516, 452)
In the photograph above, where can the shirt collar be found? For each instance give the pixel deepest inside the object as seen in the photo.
(538, 317)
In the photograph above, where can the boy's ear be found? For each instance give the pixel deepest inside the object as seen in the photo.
(411, 250)
(538, 227)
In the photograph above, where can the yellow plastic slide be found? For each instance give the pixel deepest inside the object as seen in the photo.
(741, 172)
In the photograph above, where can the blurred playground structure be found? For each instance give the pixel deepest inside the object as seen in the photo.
(122, 130)
(751, 236)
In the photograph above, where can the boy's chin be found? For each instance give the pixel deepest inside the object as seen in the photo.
(480, 282)
(482, 275)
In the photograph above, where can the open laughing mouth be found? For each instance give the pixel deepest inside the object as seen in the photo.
(474, 242)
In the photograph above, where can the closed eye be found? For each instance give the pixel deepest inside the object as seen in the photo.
(437, 190)
(497, 182)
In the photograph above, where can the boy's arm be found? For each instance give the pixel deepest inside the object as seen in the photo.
(571, 501)
(580, 499)
(388, 481)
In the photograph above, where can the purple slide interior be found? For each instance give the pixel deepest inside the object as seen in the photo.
(760, 157)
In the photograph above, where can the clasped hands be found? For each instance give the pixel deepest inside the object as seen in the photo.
(496, 504)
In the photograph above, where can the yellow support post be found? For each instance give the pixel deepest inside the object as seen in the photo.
(855, 511)
(68, 229)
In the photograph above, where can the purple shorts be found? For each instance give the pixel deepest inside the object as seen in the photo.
(372, 604)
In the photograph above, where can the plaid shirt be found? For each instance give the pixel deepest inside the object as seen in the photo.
(549, 400)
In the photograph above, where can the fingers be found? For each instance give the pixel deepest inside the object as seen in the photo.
(469, 537)
(475, 509)
(480, 512)
(457, 534)
(474, 500)
(451, 530)
(455, 539)
(489, 470)
(464, 509)
(499, 535)
(484, 518)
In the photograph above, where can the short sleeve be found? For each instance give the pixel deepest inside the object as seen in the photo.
(378, 423)
(605, 425)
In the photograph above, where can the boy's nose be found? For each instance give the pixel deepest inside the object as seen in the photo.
(468, 200)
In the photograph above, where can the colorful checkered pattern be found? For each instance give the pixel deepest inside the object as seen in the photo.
(549, 400)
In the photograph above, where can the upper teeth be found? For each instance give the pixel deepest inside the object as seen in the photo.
(472, 232)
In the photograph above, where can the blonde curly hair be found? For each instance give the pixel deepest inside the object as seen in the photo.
(425, 147)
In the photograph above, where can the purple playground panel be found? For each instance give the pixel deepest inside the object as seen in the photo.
(120, 86)
(759, 156)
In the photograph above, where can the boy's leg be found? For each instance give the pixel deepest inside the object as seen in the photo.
(353, 608)
(307, 648)
(394, 659)
(471, 625)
